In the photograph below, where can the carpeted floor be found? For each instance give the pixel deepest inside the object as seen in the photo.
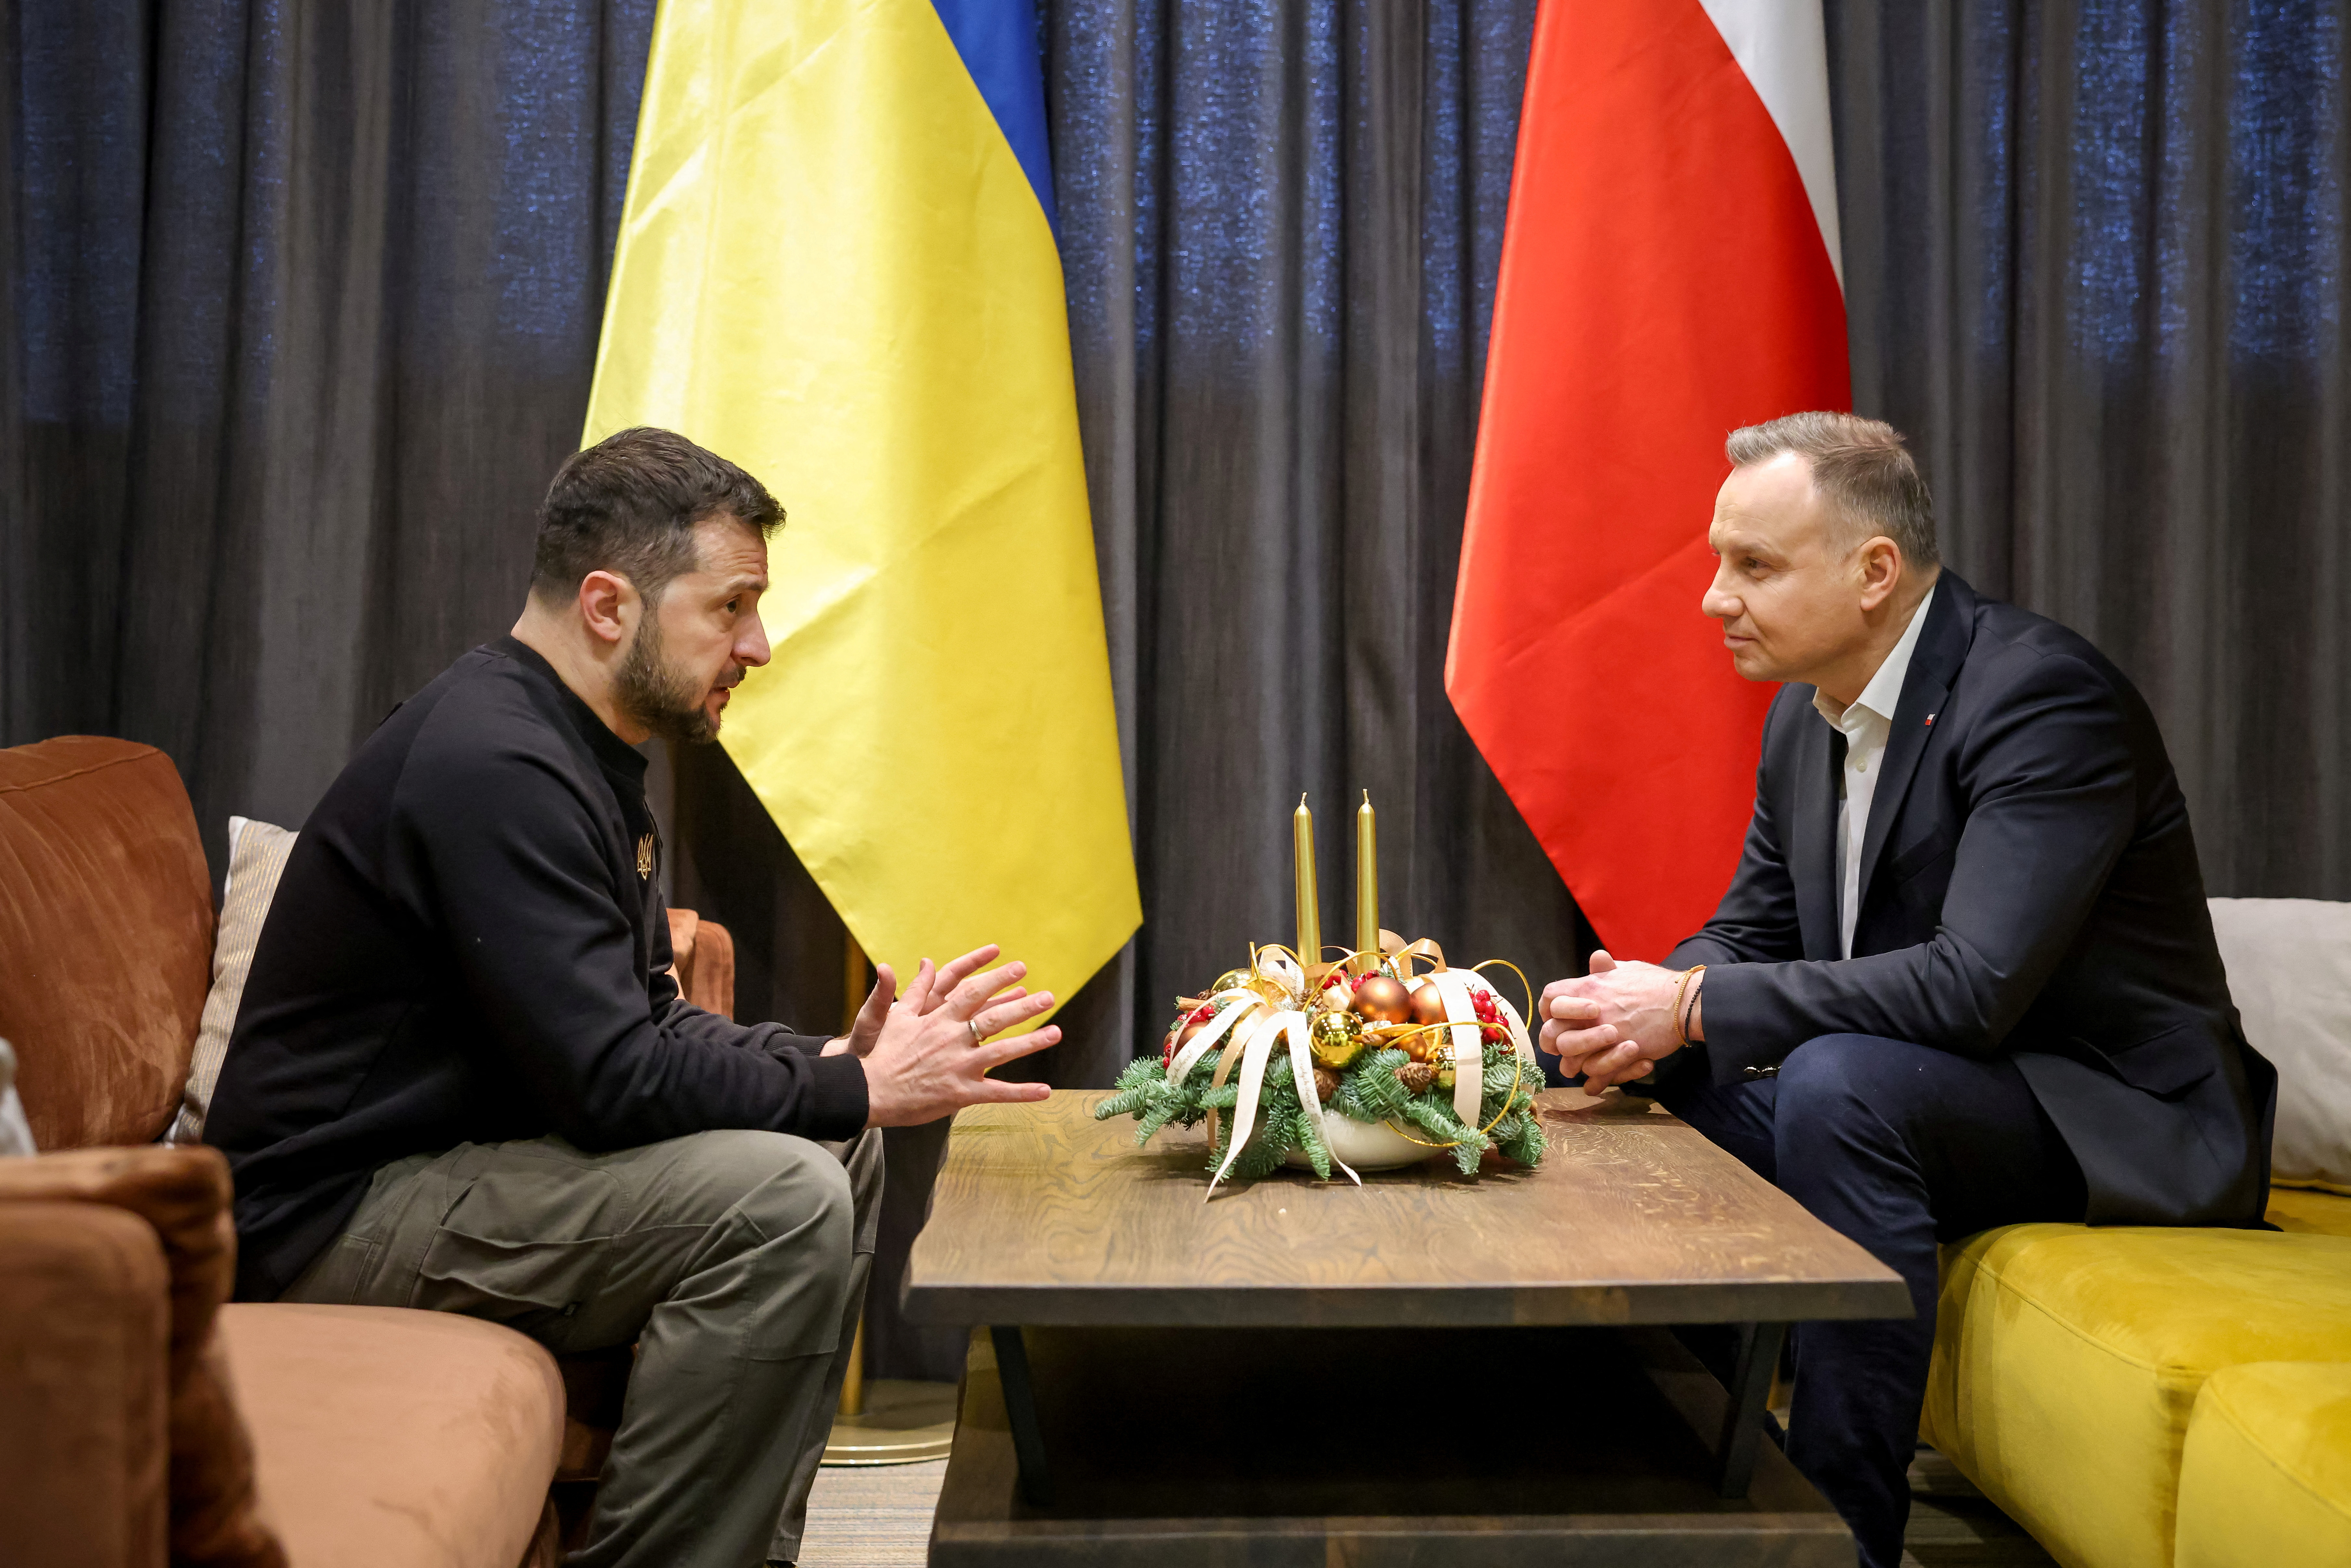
(876, 1517)
(881, 1517)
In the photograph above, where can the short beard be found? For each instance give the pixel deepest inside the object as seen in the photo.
(652, 695)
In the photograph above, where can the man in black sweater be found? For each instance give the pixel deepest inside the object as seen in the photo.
(1964, 976)
(462, 1078)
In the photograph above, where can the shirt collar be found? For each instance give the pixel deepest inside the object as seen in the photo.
(1884, 692)
(610, 750)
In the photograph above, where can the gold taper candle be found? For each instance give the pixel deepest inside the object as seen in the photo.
(1368, 878)
(1310, 909)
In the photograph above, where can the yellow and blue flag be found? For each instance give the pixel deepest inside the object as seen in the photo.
(838, 267)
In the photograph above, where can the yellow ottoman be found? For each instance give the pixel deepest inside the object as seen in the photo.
(2265, 1481)
(2067, 1361)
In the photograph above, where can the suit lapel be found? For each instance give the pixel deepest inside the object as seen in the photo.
(1934, 665)
(1811, 836)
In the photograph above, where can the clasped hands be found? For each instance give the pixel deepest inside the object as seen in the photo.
(1616, 1023)
(927, 1053)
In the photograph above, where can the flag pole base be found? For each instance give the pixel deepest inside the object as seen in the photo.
(904, 1423)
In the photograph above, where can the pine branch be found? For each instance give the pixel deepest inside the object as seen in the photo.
(1151, 1121)
(1370, 1092)
(1318, 1153)
(1524, 1142)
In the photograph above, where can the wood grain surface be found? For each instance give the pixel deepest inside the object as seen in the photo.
(1042, 1215)
(1367, 1449)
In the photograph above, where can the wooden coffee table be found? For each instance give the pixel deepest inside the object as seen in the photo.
(1302, 1371)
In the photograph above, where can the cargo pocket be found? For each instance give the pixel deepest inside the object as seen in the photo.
(526, 1243)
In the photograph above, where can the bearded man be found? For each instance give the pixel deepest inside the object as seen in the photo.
(1964, 975)
(462, 1078)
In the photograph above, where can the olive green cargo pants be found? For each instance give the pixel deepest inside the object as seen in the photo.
(735, 1262)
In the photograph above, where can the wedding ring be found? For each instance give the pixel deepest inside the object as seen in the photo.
(973, 1025)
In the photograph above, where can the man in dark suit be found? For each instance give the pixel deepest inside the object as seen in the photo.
(1964, 975)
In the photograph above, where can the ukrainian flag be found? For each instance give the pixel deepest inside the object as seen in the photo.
(838, 267)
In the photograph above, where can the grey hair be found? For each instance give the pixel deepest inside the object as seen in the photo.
(1864, 469)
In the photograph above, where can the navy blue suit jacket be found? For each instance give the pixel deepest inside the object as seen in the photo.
(2028, 887)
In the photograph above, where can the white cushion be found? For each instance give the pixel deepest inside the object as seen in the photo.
(256, 858)
(2288, 962)
(15, 1133)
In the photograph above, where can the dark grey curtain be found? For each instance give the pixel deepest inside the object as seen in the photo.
(2094, 261)
(1279, 227)
(303, 304)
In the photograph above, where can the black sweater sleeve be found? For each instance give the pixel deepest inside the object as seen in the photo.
(497, 847)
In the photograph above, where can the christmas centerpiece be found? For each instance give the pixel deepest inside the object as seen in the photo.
(1379, 1056)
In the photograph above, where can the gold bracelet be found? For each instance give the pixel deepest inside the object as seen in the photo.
(1679, 986)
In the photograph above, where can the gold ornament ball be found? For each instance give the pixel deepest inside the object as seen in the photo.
(1336, 1040)
(1428, 1046)
(1445, 1080)
(1379, 1000)
(1427, 1003)
(1231, 980)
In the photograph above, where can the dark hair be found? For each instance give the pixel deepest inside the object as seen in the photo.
(1863, 468)
(629, 505)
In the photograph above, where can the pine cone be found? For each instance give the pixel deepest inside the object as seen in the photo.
(1417, 1076)
(1326, 1083)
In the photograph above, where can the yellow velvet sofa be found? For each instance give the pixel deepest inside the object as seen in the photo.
(2117, 1390)
(2139, 1397)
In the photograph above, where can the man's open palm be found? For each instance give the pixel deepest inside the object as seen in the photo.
(928, 1054)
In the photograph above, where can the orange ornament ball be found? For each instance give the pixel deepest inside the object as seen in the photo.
(1379, 1000)
(1427, 1003)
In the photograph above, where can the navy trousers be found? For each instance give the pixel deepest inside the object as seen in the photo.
(1897, 1147)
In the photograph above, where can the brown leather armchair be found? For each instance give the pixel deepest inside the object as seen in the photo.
(141, 1419)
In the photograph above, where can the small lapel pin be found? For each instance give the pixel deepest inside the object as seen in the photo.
(1930, 721)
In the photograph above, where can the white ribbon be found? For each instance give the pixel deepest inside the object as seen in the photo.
(1284, 971)
(1469, 1056)
(1240, 1002)
(1260, 1046)
(1301, 1068)
(1518, 1029)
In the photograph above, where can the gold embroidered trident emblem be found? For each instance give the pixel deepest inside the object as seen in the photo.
(645, 857)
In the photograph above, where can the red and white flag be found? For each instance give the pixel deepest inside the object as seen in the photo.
(1669, 272)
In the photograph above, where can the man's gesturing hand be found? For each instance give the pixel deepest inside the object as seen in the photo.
(1613, 1023)
(924, 1062)
(867, 1030)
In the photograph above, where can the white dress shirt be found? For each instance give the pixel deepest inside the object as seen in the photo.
(1866, 724)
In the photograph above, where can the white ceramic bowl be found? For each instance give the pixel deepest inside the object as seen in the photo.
(1367, 1146)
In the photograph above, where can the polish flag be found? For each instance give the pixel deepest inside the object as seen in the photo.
(1670, 272)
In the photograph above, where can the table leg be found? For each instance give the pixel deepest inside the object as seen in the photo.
(1743, 1416)
(1020, 1410)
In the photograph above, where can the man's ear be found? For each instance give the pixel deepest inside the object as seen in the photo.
(608, 606)
(1880, 566)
